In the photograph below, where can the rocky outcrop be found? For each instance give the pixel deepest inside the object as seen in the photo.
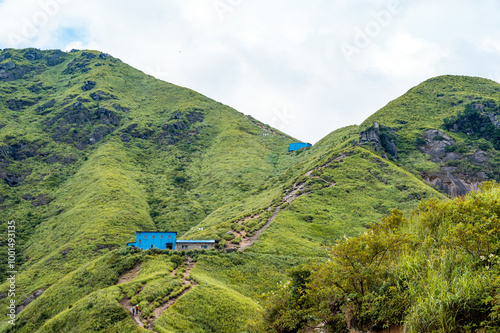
(121, 108)
(28, 300)
(494, 119)
(38, 87)
(9, 71)
(71, 125)
(179, 127)
(55, 58)
(133, 131)
(381, 138)
(455, 184)
(99, 133)
(435, 146)
(20, 104)
(40, 200)
(80, 64)
(88, 85)
(33, 54)
(46, 108)
(14, 180)
(19, 151)
(101, 96)
(450, 179)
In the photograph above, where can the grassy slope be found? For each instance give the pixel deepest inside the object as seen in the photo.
(108, 190)
(216, 168)
(366, 188)
(425, 107)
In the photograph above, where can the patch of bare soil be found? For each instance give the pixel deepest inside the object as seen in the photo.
(130, 275)
(247, 242)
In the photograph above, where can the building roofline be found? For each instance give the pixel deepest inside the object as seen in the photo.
(195, 241)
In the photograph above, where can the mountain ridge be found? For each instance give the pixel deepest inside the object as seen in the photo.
(93, 150)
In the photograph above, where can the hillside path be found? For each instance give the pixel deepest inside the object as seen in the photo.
(185, 283)
(127, 305)
(247, 242)
(125, 302)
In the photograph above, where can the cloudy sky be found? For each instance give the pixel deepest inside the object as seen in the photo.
(305, 67)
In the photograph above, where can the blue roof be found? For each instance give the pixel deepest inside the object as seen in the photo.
(196, 241)
(298, 145)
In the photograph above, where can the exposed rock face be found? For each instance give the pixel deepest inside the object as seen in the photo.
(453, 184)
(14, 180)
(179, 127)
(494, 119)
(448, 179)
(121, 108)
(55, 58)
(33, 55)
(20, 104)
(40, 200)
(88, 85)
(380, 139)
(101, 96)
(71, 125)
(80, 64)
(10, 72)
(133, 131)
(436, 145)
(99, 134)
(45, 108)
(28, 300)
(19, 151)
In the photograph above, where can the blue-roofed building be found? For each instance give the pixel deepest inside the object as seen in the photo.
(168, 240)
(298, 145)
(155, 240)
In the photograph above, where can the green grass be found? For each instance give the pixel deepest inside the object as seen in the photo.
(249, 274)
(97, 312)
(208, 308)
(95, 275)
(345, 209)
(172, 159)
(427, 106)
(435, 269)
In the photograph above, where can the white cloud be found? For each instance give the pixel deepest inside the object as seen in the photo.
(259, 56)
(403, 55)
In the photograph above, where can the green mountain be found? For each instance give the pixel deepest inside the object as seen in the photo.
(93, 150)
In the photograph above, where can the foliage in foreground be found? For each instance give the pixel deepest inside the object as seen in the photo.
(436, 270)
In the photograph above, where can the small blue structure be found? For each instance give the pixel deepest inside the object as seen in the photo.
(298, 145)
(154, 240)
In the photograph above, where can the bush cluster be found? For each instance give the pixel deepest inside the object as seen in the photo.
(437, 269)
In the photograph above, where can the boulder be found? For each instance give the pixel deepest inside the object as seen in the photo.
(88, 85)
(380, 138)
(454, 183)
(435, 147)
(33, 55)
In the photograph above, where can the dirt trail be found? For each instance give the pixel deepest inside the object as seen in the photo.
(125, 302)
(130, 275)
(185, 282)
(247, 242)
(133, 273)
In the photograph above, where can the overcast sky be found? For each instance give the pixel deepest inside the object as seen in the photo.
(304, 67)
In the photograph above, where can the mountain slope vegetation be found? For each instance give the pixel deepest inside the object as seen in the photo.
(92, 150)
(434, 270)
